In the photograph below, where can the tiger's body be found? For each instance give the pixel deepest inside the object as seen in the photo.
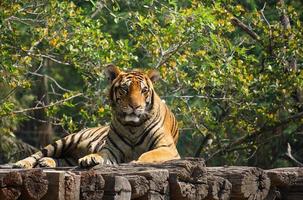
(143, 129)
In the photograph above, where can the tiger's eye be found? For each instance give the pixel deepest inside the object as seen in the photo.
(144, 90)
(124, 89)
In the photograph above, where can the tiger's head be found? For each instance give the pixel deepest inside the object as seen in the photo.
(131, 94)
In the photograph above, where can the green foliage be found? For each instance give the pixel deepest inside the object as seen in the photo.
(223, 85)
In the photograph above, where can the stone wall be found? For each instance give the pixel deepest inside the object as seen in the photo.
(187, 178)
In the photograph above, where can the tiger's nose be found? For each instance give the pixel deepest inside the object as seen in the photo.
(134, 107)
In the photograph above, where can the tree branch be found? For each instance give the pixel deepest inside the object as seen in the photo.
(165, 55)
(99, 5)
(236, 22)
(291, 61)
(50, 57)
(254, 134)
(41, 107)
(52, 79)
(207, 140)
(196, 96)
(269, 27)
(284, 18)
(290, 156)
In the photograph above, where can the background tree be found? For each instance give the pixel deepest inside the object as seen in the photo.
(231, 71)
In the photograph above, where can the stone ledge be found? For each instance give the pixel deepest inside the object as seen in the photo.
(187, 179)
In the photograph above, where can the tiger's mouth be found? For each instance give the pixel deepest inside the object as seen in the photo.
(132, 118)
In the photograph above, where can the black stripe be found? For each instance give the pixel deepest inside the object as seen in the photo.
(99, 144)
(71, 142)
(156, 132)
(151, 126)
(155, 141)
(175, 134)
(166, 145)
(114, 94)
(55, 145)
(95, 138)
(128, 76)
(57, 161)
(132, 125)
(80, 137)
(44, 152)
(68, 162)
(165, 113)
(146, 132)
(150, 104)
(135, 74)
(89, 135)
(173, 121)
(140, 78)
(173, 130)
(93, 160)
(116, 146)
(111, 152)
(33, 156)
(113, 91)
(152, 99)
(63, 140)
(175, 124)
(115, 81)
(120, 136)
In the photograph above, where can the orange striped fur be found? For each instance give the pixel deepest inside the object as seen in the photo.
(143, 129)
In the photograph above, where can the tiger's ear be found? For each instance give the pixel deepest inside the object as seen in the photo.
(153, 75)
(111, 72)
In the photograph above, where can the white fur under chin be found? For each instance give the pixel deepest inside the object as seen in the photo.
(132, 118)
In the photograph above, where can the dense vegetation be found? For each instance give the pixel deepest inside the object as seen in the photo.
(232, 71)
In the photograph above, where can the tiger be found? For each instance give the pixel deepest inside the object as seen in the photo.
(142, 128)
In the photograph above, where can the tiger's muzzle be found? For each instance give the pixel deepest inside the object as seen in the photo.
(133, 114)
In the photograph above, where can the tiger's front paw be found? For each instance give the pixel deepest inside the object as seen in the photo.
(26, 163)
(92, 160)
(135, 162)
(47, 162)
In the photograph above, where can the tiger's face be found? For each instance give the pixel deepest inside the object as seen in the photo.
(131, 94)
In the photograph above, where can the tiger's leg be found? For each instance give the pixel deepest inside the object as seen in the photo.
(58, 149)
(54, 150)
(158, 155)
(56, 162)
(29, 162)
(162, 148)
(43, 158)
(104, 152)
(102, 157)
